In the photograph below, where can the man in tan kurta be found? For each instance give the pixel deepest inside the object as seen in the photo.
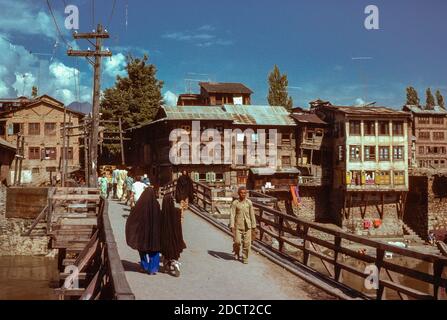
(242, 224)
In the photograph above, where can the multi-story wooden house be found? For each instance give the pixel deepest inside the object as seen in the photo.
(243, 124)
(370, 160)
(217, 93)
(39, 121)
(7, 153)
(429, 129)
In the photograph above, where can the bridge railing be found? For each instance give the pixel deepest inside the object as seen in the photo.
(298, 240)
(99, 266)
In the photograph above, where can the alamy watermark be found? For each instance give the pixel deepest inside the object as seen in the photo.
(225, 146)
(372, 20)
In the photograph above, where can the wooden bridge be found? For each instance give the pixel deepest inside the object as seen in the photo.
(294, 256)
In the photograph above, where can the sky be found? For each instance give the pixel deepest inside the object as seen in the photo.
(317, 43)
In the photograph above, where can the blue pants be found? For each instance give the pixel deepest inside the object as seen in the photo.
(150, 261)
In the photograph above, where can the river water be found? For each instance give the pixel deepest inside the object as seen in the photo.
(28, 278)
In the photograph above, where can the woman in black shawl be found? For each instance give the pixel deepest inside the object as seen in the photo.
(184, 189)
(172, 243)
(143, 230)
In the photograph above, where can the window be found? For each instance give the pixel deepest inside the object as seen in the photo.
(424, 135)
(16, 128)
(49, 153)
(354, 128)
(202, 177)
(442, 150)
(50, 129)
(421, 150)
(34, 129)
(69, 153)
(370, 128)
(384, 128)
(285, 138)
(384, 153)
(370, 153)
(398, 128)
(219, 177)
(438, 136)
(437, 120)
(398, 153)
(370, 177)
(35, 171)
(399, 178)
(356, 178)
(319, 133)
(354, 153)
(286, 161)
(423, 120)
(383, 178)
(67, 124)
(51, 169)
(34, 153)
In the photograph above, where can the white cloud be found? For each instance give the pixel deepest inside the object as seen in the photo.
(201, 37)
(359, 102)
(115, 66)
(28, 18)
(170, 98)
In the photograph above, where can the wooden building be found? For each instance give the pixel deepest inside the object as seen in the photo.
(151, 145)
(429, 131)
(370, 161)
(39, 122)
(7, 154)
(217, 93)
(313, 151)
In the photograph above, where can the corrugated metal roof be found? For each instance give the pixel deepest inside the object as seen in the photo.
(259, 115)
(269, 171)
(437, 110)
(6, 144)
(305, 117)
(196, 113)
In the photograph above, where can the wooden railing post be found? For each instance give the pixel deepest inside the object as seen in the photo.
(438, 268)
(305, 246)
(337, 268)
(280, 233)
(380, 254)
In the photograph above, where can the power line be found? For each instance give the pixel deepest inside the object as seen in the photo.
(55, 23)
(93, 13)
(112, 13)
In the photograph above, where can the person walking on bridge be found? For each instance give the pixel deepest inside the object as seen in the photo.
(242, 224)
(184, 189)
(172, 243)
(143, 229)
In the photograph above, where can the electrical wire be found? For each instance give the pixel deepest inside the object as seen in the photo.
(111, 13)
(55, 23)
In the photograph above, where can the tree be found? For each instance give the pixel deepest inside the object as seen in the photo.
(440, 99)
(135, 98)
(34, 92)
(430, 103)
(412, 97)
(278, 94)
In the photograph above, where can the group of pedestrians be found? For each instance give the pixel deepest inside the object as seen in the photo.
(156, 232)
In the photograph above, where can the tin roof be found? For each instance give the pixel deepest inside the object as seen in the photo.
(225, 87)
(270, 171)
(259, 115)
(437, 110)
(306, 117)
(6, 144)
(196, 113)
(366, 111)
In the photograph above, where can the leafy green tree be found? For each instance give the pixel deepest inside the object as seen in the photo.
(412, 97)
(278, 94)
(430, 103)
(440, 99)
(135, 98)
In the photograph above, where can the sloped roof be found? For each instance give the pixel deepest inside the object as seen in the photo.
(306, 117)
(225, 87)
(6, 144)
(196, 113)
(259, 115)
(367, 111)
(437, 110)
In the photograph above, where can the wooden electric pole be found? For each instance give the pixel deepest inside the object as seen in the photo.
(99, 35)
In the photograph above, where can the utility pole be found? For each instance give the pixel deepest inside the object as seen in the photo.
(99, 35)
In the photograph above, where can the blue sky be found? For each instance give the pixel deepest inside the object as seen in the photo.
(236, 41)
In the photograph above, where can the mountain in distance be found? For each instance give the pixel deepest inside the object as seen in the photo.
(84, 107)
